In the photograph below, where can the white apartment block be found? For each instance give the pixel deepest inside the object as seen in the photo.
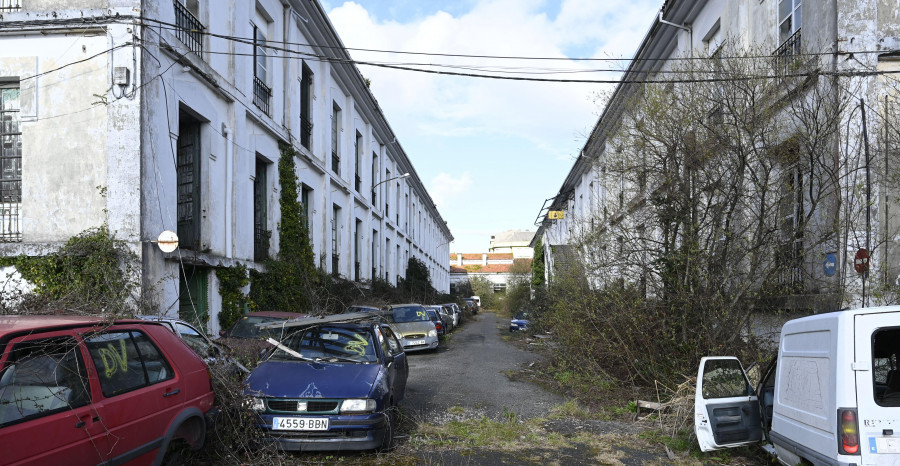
(854, 46)
(161, 115)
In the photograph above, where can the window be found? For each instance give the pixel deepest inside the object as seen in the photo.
(335, 239)
(885, 370)
(335, 139)
(789, 18)
(357, 239)
(10, 166)
(387, 206)
(305, 199)
(357, 149)
(789, 22)
(262, 93)
(127, 361)
(189, 29)
(10, 5)
(374, 176)
(187, 173)
(306, 94)
(374, 254)
(261, 233)
(42, 377)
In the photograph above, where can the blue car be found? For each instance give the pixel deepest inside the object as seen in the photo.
(519, 322)
(331, 386)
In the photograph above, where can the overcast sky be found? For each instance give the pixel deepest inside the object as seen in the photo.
(491, 151)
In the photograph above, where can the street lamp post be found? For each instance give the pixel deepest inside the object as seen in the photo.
(405, 175)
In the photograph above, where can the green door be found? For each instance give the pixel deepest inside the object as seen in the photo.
(193, 300)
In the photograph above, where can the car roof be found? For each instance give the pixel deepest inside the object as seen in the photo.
(404, 305)
(288, 315)
(12, 325)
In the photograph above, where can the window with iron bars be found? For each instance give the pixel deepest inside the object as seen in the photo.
(790, 20)
(189, 29)
(306, 93)
(262, 93)
(10, 166)
(10, 5)
(335, 139)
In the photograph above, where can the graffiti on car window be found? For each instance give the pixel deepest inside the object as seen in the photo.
(114, 360)
(357, 345)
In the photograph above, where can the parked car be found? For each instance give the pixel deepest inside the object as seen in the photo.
(519, 322)
(84, 390)
(361, 308)
(471, 305)
(414, 326)
(454, 316)
(445, 315)
(477, 302)
(246, 339)
(457, 312)
(330, 386)
(435, 317)
(831, 397)
(212, 353)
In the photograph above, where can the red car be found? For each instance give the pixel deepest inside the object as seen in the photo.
(83, 390)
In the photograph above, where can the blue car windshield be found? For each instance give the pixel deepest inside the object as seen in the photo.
(329, 343)
(410, 314)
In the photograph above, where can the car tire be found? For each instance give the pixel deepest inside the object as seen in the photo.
(176, 453)
(387, 442)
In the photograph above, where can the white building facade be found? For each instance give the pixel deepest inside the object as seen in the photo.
(853, 44)
(168, 115)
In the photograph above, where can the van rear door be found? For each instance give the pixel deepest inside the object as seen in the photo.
(726, 409)
(877, 342)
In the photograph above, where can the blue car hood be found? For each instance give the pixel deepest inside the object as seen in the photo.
(299, 379)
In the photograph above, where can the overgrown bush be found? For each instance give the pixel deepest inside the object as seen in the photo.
(93, 273)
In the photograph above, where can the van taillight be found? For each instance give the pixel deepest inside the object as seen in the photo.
(848, 444)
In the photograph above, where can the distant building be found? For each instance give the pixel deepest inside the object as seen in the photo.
(498, 268)
(515, 242)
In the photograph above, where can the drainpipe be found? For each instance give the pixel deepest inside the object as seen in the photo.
(229, 190)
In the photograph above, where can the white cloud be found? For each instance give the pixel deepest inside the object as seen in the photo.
(444, 188)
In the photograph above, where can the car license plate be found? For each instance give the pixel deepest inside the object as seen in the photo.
(415, 342)
(299, 423)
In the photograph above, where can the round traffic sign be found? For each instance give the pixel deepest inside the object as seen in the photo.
(861, 261)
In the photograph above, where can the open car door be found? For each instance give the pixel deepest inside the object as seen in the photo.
(726, 409)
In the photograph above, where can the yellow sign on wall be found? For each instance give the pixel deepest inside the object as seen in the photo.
(556, 214)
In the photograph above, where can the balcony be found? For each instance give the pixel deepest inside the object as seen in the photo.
(306, 128)
(261, 243)
(788, 54)
(10, 5)
(189, 28)
(262, 95)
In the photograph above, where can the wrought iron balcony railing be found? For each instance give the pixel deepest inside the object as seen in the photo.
(787, 54)
(262, 95)
(189, 28)
(10, 5)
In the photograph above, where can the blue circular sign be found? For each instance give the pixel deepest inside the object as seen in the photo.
(830, 264)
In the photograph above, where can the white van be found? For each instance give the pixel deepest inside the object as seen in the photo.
(831, 397)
